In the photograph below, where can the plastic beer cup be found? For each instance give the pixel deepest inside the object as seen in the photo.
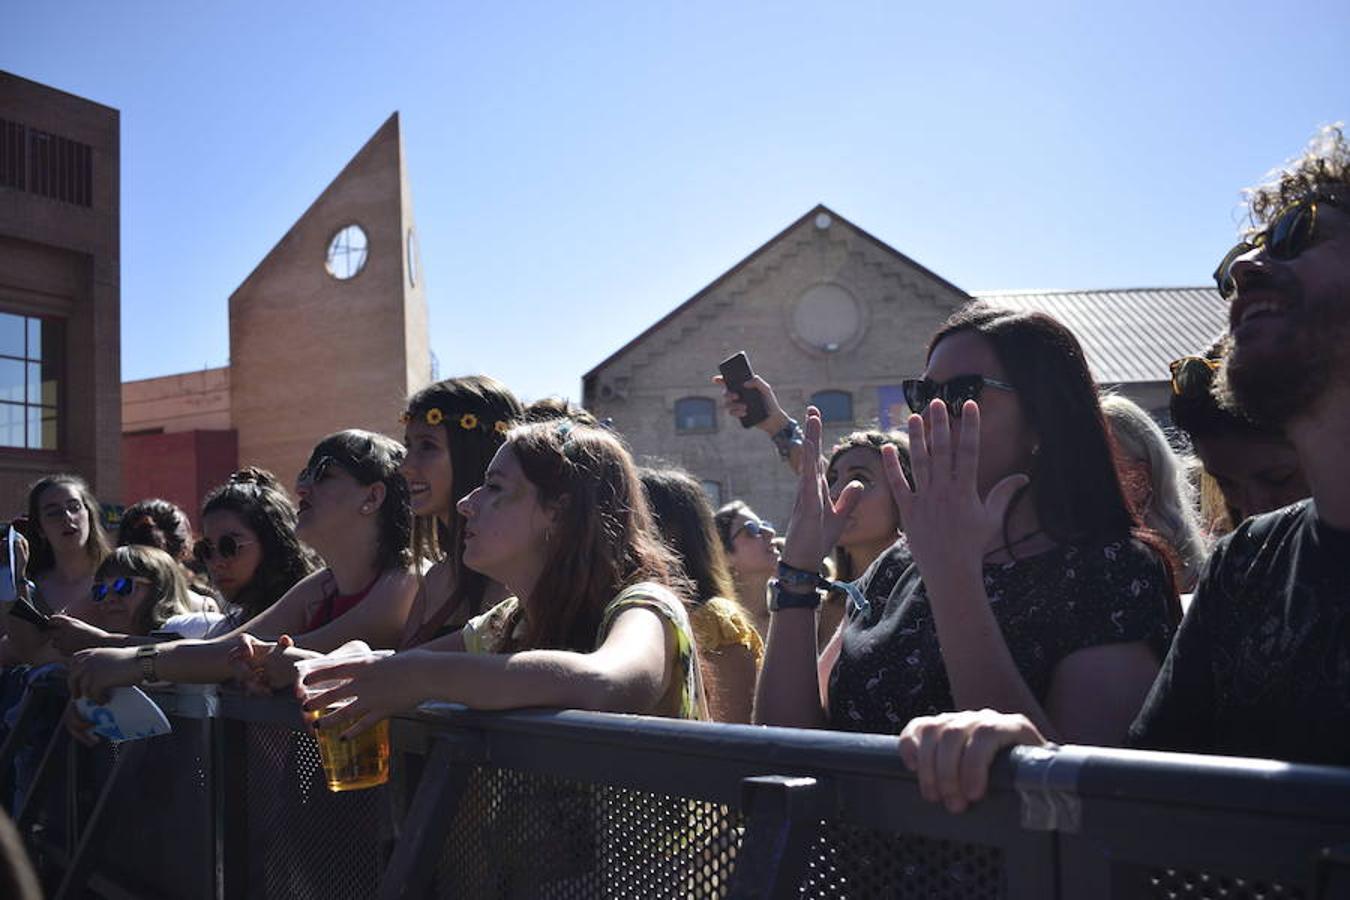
(361, 761)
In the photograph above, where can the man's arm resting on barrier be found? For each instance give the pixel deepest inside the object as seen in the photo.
(630, 672)
(951, 753)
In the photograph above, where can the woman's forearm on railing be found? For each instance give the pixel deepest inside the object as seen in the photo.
(789, 692)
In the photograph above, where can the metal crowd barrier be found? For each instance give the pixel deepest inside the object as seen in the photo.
(577, 805)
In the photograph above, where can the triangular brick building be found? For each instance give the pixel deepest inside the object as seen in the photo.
(328, 332)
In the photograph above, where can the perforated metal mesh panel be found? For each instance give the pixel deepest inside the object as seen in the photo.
(518, 835)
(1180, 884)
(853, 862)
(306, 842)
(169, 819)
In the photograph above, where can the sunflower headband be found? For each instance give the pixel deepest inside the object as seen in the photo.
(468, 421)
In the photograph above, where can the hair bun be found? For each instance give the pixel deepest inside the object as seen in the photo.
(254, 475)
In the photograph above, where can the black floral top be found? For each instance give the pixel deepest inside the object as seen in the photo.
(890, 667)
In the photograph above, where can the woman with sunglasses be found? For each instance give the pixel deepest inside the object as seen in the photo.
(354, 510)
(593, 620)
(1023, 581)
(751, 555)
(248, 547)
(137, 590)
(159, 523)
(1255, 467)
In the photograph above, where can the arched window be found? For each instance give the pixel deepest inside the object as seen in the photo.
(695, 415)
(834, 406)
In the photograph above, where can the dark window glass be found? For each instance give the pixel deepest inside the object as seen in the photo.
(30, 381)
(695, 414)
(834, 406)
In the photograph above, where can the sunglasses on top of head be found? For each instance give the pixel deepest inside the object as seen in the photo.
(954, 392)
(1288, 234)
(316, 471)
(122, 587)
(228, 548)
(754, 529)
(1192, 376)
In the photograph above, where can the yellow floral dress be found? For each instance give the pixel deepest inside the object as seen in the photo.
(488, 633)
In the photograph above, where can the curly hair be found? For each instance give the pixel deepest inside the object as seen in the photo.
(167, 527)
(1325, 163)
(257, 498)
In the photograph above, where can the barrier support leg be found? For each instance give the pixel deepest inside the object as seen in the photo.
(111, 801)
(18, 737)
(783, 819)
(51, 760)
(424, 830)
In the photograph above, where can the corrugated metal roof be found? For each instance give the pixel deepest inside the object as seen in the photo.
(1130, 335)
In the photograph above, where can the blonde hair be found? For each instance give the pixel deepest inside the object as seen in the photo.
(1173, 511)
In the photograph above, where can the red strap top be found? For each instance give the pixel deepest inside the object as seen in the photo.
(335, 605)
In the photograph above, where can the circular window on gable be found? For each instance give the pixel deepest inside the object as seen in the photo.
(347, 252)
(827, 318)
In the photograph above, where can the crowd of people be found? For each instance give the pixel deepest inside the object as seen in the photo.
(1030, 560)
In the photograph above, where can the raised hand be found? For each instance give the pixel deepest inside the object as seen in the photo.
(947, 523)
(735, 405)
(817, 520)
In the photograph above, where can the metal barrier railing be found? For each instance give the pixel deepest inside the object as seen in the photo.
(573, 804)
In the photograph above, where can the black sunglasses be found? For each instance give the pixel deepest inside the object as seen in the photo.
(122, 587)
(1192, 376)
(754, 528)
(1288, 235)
(954, 392)
(228, 548)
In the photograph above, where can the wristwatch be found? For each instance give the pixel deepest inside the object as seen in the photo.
(145, 655)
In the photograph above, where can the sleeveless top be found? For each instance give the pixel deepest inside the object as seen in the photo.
(334, 605)
(488, 633)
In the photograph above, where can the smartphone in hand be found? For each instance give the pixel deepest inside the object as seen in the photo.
(736, 373)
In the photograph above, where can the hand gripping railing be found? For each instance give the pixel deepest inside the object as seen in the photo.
(573, 804)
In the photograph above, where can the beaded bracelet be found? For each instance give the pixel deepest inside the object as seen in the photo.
(787, 437)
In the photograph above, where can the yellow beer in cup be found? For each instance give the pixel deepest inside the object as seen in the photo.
(361, 761)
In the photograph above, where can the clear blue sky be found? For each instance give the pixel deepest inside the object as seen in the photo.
(579, 169)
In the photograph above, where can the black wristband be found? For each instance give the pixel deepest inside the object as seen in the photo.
(782, 599)
(795, 579)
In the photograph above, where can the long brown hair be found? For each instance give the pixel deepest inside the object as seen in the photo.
(42, 557)
(1074, 482)
(684, 518)
(469, 409)
(603, 539)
